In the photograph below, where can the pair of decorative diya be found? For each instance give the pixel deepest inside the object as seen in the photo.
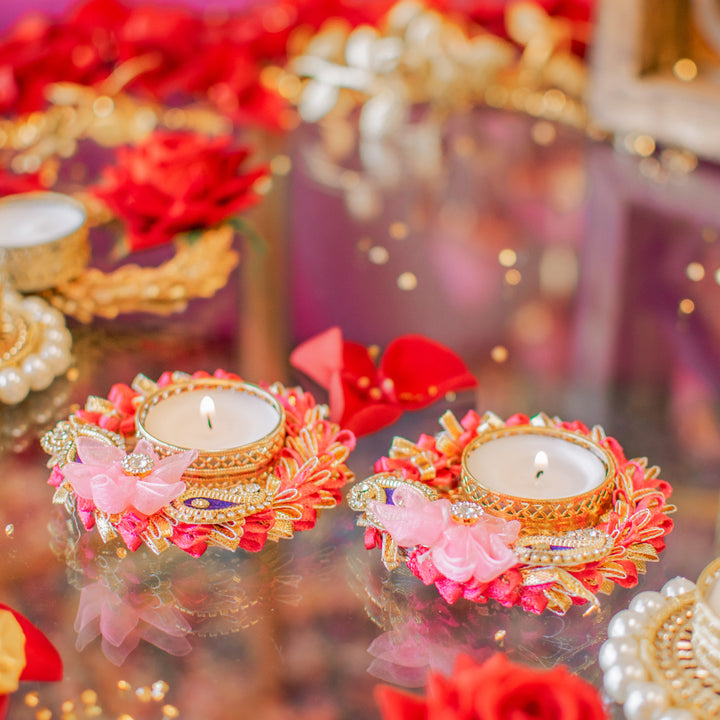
(536, 512)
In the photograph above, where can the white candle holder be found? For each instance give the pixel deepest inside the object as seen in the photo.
(449, 507)
(43, 240)
(662, 656)
(34, 346)
(240, 458)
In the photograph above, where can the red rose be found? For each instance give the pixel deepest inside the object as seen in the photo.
(175, 182)
(496, 690)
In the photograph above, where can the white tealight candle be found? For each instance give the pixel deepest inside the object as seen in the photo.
(43, 240)
(38, 219)
(536, 466)
(236, 419)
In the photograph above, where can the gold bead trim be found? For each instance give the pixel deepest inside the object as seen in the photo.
(566, 549)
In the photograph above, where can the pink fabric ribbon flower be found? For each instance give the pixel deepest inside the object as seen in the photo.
(116, 482)
(460, 552)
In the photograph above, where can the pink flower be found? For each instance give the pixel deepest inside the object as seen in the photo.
(461, 552)
(116, 482)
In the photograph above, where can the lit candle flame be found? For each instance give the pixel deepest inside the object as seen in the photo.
(541, 463)
(207, 410)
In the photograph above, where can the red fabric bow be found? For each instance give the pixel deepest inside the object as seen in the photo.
(42, 660)
(413, 372)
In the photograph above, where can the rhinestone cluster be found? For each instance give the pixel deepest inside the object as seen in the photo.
(466, 512)
(137, 464)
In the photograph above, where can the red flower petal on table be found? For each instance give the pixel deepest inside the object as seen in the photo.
(43, 660)
(11, 184)
(397, 704)
(413, 372)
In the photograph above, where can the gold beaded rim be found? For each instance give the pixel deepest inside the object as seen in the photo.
(243, 460)
(706, 626)
(548, 514)
(40, 267)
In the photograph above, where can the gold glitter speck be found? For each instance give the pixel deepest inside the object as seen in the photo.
(124, 686)
(407, 281)
(378, 255)
(686, 306)
(144, 694)
(685, 69)
(500, 635)
(499, 353)
(507, 257)
(513, 277)
(89, 697)
(32, 699)
(10, 530)
(43, 714)
(695, 271)
(170, 711)
(398, 230)
(67, 706)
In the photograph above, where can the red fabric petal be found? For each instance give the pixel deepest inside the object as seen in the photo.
(320, 357)
(43, 660)
(399, 705)
(423, 370)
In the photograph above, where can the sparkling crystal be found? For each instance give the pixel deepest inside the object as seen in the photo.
(137, 464)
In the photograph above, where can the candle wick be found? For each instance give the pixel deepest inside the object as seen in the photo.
(209, 422)
(538, 474)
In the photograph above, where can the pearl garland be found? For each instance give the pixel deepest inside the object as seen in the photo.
(50, 356)
(625, 676)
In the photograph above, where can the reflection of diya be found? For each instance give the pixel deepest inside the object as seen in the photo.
(164, 601)
(662, 658)
(536, 512)
(234, 464)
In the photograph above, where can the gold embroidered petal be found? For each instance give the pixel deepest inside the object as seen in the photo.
(281, 529)
(390, 554)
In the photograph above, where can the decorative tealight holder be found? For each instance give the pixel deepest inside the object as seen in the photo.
(43, 240)
(548, 478)
(535, 512)
(662, 656)
(198, 461)
(34, 346)
(237, 428)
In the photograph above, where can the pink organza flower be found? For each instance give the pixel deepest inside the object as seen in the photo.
(116, 482)
(123, 622)
(460, 552)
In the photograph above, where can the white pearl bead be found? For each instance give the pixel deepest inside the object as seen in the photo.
(618, 677)
(57, 336)
(648, 602)
(677, 586)
(616, 650)
(34, 307)
(626, 622)
(56, 358)
(645, 700)
(11, 300)
(676, 714)
(37, 372)
(13, 386)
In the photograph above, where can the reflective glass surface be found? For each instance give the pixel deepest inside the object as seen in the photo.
(571, 278)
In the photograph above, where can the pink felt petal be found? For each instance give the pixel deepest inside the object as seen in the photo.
(144, 447)
(81, 477)
(171, 468)
(113, 494)
(419, 522)
(320, 357)
(149, 497)
(423, 370)
(97, 452)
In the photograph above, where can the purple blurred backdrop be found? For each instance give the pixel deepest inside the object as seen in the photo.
(10, 10)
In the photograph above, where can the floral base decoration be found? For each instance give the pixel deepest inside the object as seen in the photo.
(496, 689)
(25, 654)
(662, 657)
(417, 511)
(96, 462)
